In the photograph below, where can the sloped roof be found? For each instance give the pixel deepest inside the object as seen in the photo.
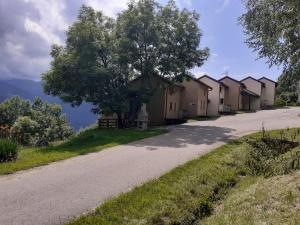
(250, 93)
(268, 80)
(213, 79)
(252, 78)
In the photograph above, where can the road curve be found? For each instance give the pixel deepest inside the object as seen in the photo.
(55, 193)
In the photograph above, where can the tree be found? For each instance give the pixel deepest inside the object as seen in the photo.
(102, 55)
(273, 29)
(34, 123)
(88, 68)
(159, 41)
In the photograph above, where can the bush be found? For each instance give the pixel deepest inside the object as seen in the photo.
(280, 102)
(36, 123)
(8, 150)
(23, 130)
(272, 156)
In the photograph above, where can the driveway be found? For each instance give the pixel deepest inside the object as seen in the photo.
(60, 191)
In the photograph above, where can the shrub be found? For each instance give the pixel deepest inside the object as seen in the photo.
(36, 123)
(272, 156)
(23, 130)
(280, 102)
(8, 150)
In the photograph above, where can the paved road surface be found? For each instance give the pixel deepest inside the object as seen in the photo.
(55, 193)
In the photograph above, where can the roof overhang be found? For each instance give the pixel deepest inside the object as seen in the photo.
(246, 92)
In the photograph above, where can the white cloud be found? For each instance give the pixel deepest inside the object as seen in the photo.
(47, 34)
(223, 6)
(109, 7)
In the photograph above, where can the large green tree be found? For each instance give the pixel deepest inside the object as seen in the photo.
(273, 29)
(103, 55)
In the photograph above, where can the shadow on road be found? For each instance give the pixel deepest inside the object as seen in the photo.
(182, 135)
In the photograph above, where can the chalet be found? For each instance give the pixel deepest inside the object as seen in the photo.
(194, 98)
(216, 97)
(252, 101)
(268, 92)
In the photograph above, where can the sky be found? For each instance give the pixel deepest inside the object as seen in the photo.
(28, 28)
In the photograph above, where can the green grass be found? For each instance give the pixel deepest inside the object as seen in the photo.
(182, 196)
(91, 140)
(189, 194)
(273, 201)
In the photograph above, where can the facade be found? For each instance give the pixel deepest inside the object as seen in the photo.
(216, 97)
(234, 93)
(268, 92)
(194, 97)
(165, 103)
(252, 100)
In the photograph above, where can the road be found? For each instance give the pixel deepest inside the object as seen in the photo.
(55, 193)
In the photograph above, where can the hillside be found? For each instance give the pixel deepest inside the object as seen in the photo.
(78, 116)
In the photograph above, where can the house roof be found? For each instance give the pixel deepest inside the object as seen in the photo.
(198, 81)
(161, 78)
(249, 93)
(213, 79)
(252, 78)
(268, 80)
(230, 78)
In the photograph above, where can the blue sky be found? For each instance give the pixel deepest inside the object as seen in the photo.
(225, 38)
(29, 27)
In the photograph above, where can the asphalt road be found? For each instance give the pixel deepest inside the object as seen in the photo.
(60, 191)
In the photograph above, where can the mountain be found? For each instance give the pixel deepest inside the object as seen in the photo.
(79, 117)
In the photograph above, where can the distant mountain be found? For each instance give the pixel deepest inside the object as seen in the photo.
(78, 117)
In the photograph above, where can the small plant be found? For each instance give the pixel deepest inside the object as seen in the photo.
(8, 150)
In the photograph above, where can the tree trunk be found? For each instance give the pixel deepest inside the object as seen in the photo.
(120, 121)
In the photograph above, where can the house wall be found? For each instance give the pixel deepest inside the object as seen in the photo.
(194, 98)
(156, 105)
(233, 99)
(173, 102)
(268, 92)
(255, 87)
(213, 96)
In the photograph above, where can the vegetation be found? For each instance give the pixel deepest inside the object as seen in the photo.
(103, 55)
(36, 123)
(189, 193)
(8, 150)
(260, 201)
(272, 28)
(90, 140)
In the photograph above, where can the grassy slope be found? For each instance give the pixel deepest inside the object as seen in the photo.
(88, 141)
(180, 197)
(185, 195)
(273, 201)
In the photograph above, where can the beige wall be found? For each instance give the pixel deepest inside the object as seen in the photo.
(173, 104)
(194, 98)
(268, 92)
(213, 96)
(233, 99)
(255, 87)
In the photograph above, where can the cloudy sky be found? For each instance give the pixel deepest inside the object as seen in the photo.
(29, 27)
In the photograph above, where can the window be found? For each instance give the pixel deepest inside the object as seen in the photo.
(175, 106)
(222, 101)
(171, 106)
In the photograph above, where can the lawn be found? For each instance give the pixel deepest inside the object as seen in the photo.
(91, 140)
(191, 193)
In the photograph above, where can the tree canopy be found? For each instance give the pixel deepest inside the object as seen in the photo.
(273, 29)
(102, 55)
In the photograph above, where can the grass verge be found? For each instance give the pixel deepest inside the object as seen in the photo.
(186, 195)
(88, 141)
(275, 200)
(182, 196)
